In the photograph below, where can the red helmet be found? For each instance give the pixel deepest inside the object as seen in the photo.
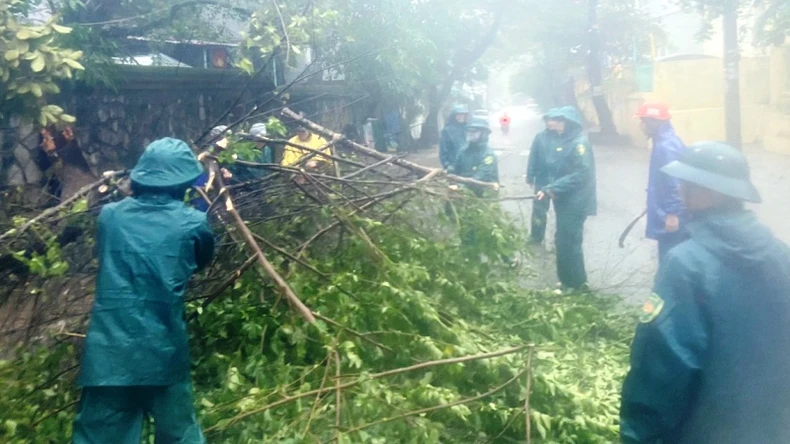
(658, 111)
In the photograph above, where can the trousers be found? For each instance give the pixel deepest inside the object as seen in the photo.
(540, 212)
(568, 243)
(116, 415)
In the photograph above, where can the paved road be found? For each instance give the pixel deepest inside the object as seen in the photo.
(622, 176)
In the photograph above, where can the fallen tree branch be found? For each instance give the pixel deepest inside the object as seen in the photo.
(294, 300)
(438, 407)
(529, 388)
(50, 211)
(384, 374)
(413, 167)
(370, 167)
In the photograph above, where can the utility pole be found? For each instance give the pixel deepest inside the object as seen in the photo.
(732, 95)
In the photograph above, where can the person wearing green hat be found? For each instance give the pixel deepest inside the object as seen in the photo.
(136, 357)
(571, 187)
(709, 363)
(453, 136)
(539, 175)
(476, 159)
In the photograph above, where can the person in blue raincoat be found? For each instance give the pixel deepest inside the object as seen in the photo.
(453, 136)
(539, 173)
(136, 357)
(666, 216)
(709, 362)
(571, 187)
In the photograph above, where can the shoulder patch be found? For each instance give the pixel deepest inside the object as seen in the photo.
(651, 308)
(581, 149)
(488, 160)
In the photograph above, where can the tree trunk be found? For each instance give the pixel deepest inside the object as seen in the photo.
(594, 72)
(732, 97)
(429, 135)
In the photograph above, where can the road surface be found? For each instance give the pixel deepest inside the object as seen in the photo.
(622, 177)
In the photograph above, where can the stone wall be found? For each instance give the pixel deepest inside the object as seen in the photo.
(114, 125)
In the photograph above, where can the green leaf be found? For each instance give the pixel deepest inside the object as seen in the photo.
(39, 63)
(74, 64)
(25, 33)
(12, 54)
(61, 29)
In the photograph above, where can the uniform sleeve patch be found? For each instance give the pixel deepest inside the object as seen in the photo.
(581, 149)
(651, 308)
(488, 160)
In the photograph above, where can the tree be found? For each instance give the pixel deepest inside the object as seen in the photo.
(728, 11)
(773, 26)
(416, 51)
(33, 62)
(565, 37)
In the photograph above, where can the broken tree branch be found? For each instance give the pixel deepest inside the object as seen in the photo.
(50, 211)
(294, 300)
(385, 374)
(413, 167)
(438, 407)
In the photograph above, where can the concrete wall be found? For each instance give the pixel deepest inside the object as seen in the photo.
(694, 90)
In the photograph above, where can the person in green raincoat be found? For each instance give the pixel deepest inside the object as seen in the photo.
(453, 135)
(136, 357)
(538, 174)
(572, 188)
(477, 160)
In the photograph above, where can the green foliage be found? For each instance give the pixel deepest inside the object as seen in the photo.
(32, 63)
(773, 27)
(420, 290)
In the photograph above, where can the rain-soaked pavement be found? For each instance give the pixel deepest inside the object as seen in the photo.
(622, 176)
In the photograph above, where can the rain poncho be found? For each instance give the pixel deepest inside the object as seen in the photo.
(572, 167)
(541, 156)
(136, 356)
(477, 161)
(571, 171)
(149, 246)
(663, 191)
(541, 159)
(709, 363)
(453, 137)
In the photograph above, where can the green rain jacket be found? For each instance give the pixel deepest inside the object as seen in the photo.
(149, 246)
(477, 161)
(709, 362)
(541, 156)
(572, 167)
(453, 137)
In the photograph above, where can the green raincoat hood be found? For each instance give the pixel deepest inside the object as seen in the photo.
(167, 163)
(734, 236)
(573, 119)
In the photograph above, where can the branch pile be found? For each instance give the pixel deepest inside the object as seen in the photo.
(364, 303)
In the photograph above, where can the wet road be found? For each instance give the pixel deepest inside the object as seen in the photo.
(622, 177)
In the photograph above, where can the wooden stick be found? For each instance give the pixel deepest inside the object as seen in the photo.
(387, 373)
(338, 394)
(414, 167)
(370, 167)
(529, 388)
(50, 211)
(294, 300)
